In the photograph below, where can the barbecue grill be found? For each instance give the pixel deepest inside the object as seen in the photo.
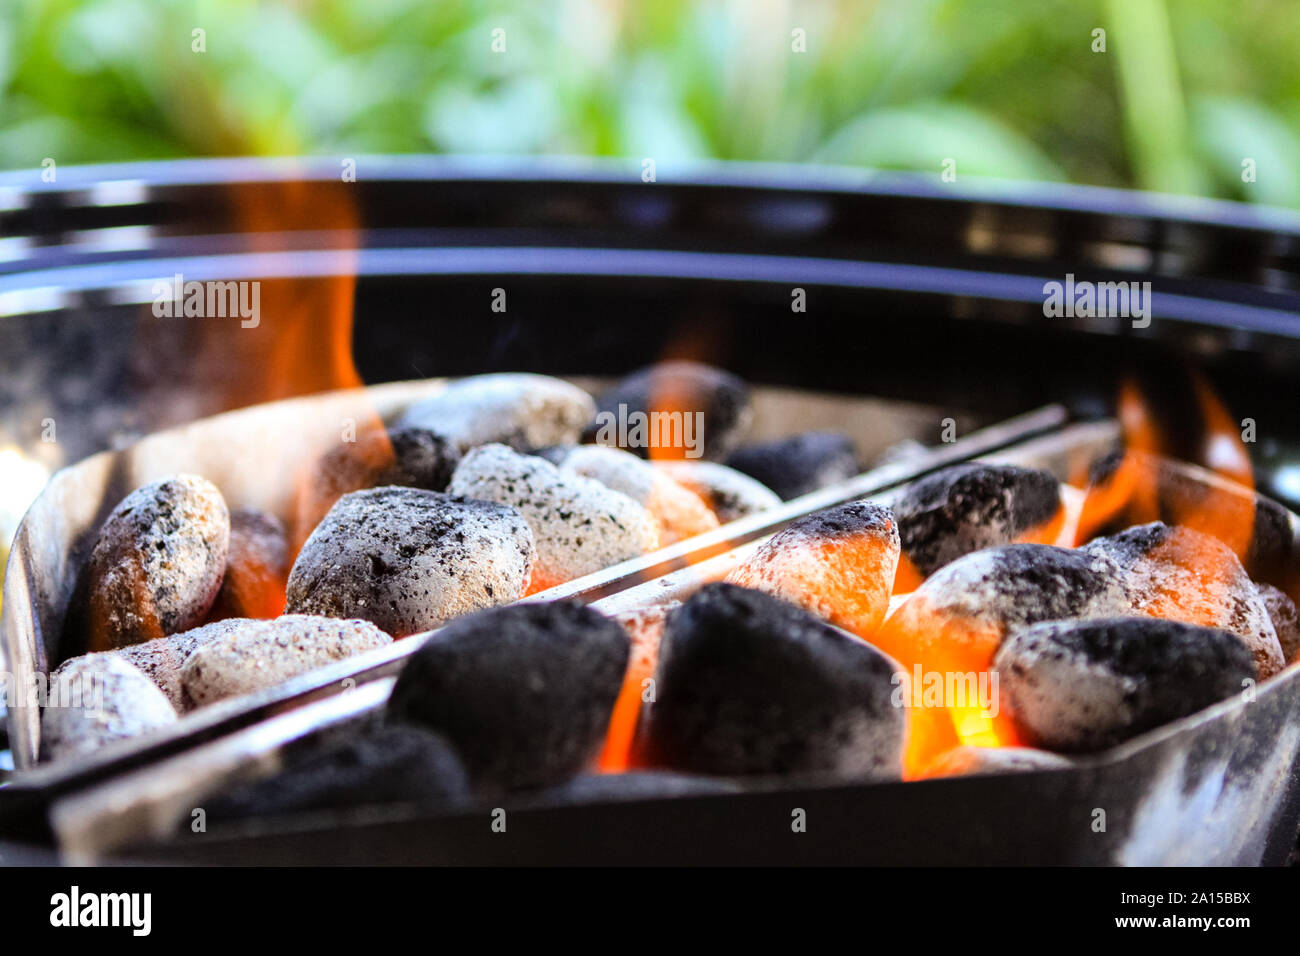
(925, 302)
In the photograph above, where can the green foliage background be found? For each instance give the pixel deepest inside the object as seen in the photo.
(1011, 88)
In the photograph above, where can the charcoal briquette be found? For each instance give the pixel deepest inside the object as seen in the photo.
(399, 764)
(158, 562)
(1184, 575)
(798, 464)
(1083, 686)
(408, 559)
(518, 409)
(1286, 620)
(838, 563)
(969, 507)
(717, 399)
(524, 693)
(751, 685)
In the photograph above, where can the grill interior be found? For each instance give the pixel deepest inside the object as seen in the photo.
(924, 304)
(1234, 760)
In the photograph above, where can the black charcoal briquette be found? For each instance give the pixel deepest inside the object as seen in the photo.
(748, 684)
(799, 464)
(523, 692)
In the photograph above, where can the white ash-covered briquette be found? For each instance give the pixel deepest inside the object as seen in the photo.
(97, 699)
(674, 409)
(162, 658)
(1083, 686)
(158, 562)
(838, 563)
(1285, 617)
(959, 617)
(578, 524)
(379, 766)
(969, 507)
(731, 494)
(408, 560)
(1183, 575)
(257, 563)
(518, 409)
(799, 464)
(523, 693)
(245, 655)
(751, 685)
(406, 457)
(679, 511)
(969, 760)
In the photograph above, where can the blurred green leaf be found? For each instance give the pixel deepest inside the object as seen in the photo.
(924, 136)
(1230, 131)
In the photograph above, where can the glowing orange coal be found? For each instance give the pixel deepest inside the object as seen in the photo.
(1142, 484)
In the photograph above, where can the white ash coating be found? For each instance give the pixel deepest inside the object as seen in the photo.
(1020, 584)
(680, 512)
(579, 525)
(245, 655)
(162, 658)
(838, 563)
(961, 614)
(96, 699)
(158, 562)
(967, 760)
(1184, 575)
(1065, 694)
(1083, 686)
(408, 560)
(1286, 619)
(518, 409)
(731, 494)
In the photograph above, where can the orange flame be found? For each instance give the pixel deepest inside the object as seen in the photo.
(303, 341)
(1130, 490)
(620, 750)
(1145, 486)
